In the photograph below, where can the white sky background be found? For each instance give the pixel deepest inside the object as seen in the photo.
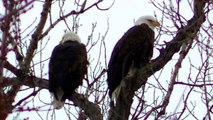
(121, 17)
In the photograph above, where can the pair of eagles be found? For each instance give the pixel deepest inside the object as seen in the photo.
(68, 62)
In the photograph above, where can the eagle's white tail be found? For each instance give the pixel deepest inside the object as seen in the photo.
(57, 104)
(116, 92)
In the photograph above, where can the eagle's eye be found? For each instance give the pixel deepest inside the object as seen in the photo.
(150, 20)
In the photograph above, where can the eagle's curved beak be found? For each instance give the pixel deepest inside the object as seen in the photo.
(155, 23)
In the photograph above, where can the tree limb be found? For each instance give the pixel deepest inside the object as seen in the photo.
(92, 110)
(36, 36)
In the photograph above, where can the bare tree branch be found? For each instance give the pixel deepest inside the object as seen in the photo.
(92, 110)
(36, 36)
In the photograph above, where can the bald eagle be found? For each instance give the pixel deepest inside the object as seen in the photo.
(133, 51)
(67, 68)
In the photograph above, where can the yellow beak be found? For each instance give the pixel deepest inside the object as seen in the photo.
(155, 23)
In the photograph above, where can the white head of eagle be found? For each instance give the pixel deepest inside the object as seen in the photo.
(133, 51)
(149, 20)
(67, 68)
(70, 36)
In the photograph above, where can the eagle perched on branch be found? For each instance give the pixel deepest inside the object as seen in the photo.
(67, 68)
(133, 51)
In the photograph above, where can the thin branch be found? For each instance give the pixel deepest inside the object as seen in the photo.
(194, 85)
(182, 56)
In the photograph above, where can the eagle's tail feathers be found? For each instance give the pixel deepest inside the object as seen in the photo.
(57, 104)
